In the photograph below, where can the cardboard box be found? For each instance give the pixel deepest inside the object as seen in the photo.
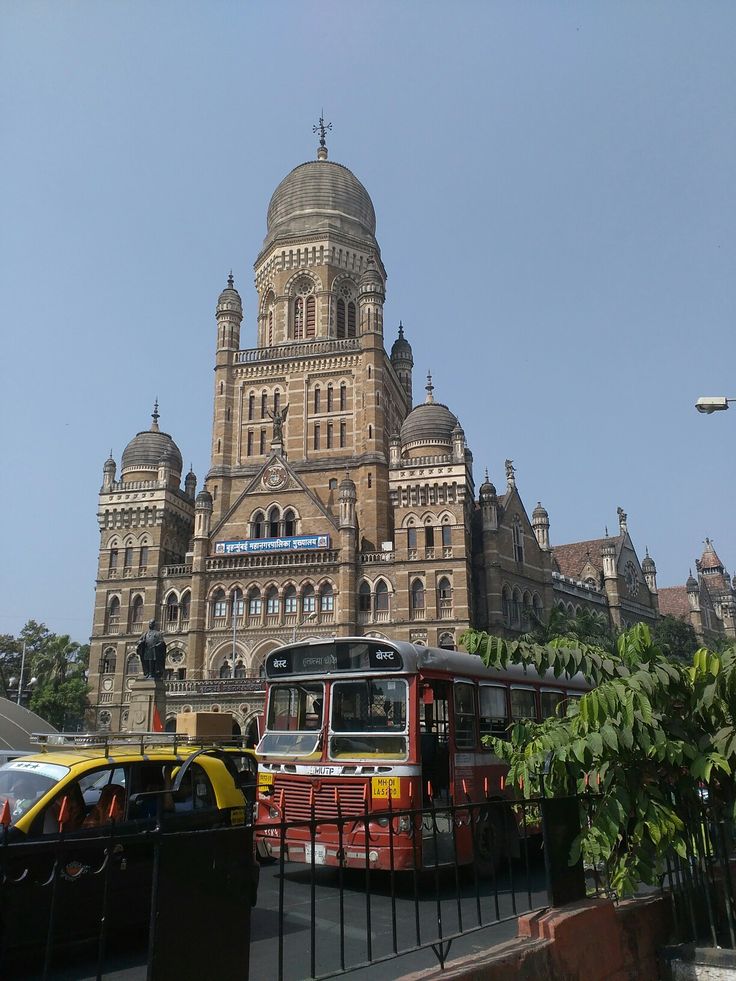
(205, 725)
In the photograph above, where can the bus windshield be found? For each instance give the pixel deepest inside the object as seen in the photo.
(294, 719)
(369, 719)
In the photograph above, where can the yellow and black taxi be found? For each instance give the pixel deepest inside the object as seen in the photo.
(76, 821)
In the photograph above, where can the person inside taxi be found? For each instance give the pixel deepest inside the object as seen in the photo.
(109, 808)
(73, 813)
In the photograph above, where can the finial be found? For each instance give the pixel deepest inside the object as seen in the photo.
(154, 416)
(322, 129)
(231, 281)
(429, 388)
(646, 550)
(487, 481)
(606, 531)
(401, 330)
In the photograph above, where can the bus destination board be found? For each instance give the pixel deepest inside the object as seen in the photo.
(332, 658)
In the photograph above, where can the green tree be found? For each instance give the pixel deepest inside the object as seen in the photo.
(675, 637)
(58, 657)
(649, 732)
(10, 658)
(62, 704)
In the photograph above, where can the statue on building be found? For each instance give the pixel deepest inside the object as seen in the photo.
(510, 473)
(278, 417)
(622, 519)
(151, 649)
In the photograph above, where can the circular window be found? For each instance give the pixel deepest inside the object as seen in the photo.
(631, 579)
(104, 718)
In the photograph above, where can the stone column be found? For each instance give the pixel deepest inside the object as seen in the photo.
(147, 705)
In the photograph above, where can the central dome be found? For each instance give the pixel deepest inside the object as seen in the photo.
(318, 196)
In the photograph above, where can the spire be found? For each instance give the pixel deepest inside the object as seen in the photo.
(154, 416)
(429, 388)
(487, 481)
(401, 331)
(231, 281)
(322, 129)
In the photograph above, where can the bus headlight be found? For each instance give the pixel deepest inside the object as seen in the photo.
(382, 822)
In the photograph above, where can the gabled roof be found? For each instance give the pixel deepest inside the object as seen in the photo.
(571, 559)
(673, 602)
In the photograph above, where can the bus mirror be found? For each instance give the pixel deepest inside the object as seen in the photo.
(427, 695)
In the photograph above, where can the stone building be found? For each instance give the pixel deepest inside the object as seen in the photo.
(333, 505)
(707, 602)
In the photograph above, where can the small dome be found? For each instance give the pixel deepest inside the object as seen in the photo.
(648, 564)
(109, 465)
(487, 490)
(147, 449)
(540, 512)
(204, 499)
(318, 195)
(371, 276)
(347, 485)
(401, 349)
(691, 584)
(431, 422)
(229, 295)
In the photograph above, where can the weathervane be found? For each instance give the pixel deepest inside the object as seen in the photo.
(322, 128)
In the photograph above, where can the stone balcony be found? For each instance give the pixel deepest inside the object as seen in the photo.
(301, 349)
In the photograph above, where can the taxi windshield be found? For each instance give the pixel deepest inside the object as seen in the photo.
(23, 784)
(294, 719)
(369, 719)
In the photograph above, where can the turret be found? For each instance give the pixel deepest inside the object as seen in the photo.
(348, 497)
(370, 299)
(402, 361)
(693, 591)
(190, 484)
(394, 450)
(540, 524)
(229, 315)
(202, 515)
(650, 572)
(108, 473)
(608, 554)
(488, 505)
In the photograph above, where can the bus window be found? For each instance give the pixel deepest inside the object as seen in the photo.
(494, 717)
(375, 712)
(464, 716)
(550, 700)
(434, 734)
(292, 710)
(523, 703)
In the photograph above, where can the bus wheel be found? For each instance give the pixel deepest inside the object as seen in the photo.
(492, 841)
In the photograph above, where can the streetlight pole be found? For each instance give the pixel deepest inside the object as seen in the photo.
(235, 631)
(306, 619)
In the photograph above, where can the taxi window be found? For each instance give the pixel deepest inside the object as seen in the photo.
(195, 793)
(92, 801)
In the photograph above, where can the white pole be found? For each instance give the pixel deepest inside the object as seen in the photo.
(235, 630)
(22, 668)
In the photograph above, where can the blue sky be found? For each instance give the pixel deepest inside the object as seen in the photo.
(554, 192)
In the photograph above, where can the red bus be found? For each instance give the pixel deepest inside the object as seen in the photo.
(360, 727)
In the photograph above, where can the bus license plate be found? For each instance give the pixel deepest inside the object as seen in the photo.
(265, 780)
(383, 786)
(320, 853)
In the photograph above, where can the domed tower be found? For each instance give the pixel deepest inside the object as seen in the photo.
(144, 455)
(540, 524)
(402, 361)
(650, 572)
(229, 313)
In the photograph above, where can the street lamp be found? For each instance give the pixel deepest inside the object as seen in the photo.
(17, 691)
(306, 619)
(712, 403)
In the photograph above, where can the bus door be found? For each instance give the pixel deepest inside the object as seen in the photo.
(434, 743)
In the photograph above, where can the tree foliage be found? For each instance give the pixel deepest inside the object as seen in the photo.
(649, 734)
(675, 638)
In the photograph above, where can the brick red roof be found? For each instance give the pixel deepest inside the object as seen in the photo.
(571, 559)
(709, 559)
(673, 602)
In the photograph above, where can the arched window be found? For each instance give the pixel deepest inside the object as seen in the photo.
(518, 540)
(225, 670)
(257, 526)
(329, 435)
(506, 605)
(364, 598)
(308, 600)
(237, 603)
(113, 561)
(343, 434)
(185, 606)
(251, 405)
(172, 609)
(317, 399)
(326, 599)
(516, 608)
(316, 436)
(254, 602)
(428, 536)
(277, 401)
(113, 615)
(311, 316)
(219, 604)
(444, 596)
(340, 332)
(351, 319)
(343, 397)
(136, 612)
(298, 318)
(108, 662)
(526, 610)
(272, 600)
(381, 602)
(270, 328)
(289, 523)
(128, 560)
(330, 394)
(417, 595)
(446, 536)
(273, 522)
(290, 599)
(264, 405)
(411, 537)
(447, 642)
(239, 669)
(537, 608)
(143, 559)
(133, 665)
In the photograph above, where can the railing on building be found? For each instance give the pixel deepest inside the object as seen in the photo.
(215, 686)
(271, 560)
(369, 557)
(307, 349)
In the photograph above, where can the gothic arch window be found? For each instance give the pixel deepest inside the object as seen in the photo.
(343, 434)
(113, 564)
(290, 599)
(526, 610)
(133, 664)
(364, 597)
(289, 523)
(225, 670)
(172, 609)
(257, 525)
(411, 537)
(185, 606)
(128, 559)
(255, 605)
(340, 325)
(317, 399)
(309, 604)
(447, 641)
(311, 317)
(537, 608)
(417, 595)
(330, 398)
(237, 603)
(264, 404)
(298, 318)
(351, 319)
(506, 605)
(446, 535)
(218, 604)
(326, 598)
(272, 600)
(316, 436)
(251, 405)
(518, 539)
(516, 607)
(273, 522)
(381, 597)
(108, 662)
(343, 397)
(329, 435)
(113, 615)
(136, 613)
(444, 596)
(428, 535)
(143, 557)
(277, 401)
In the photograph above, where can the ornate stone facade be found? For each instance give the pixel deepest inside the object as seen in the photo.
(331, 506)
